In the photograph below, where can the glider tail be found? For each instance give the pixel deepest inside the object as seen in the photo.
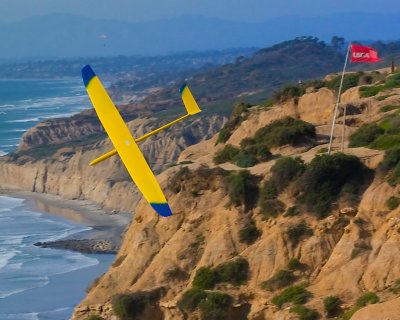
(188, 100)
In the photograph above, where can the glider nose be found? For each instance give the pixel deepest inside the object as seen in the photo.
(162, 209)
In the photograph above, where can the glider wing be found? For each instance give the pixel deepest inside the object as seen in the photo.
(124, 143)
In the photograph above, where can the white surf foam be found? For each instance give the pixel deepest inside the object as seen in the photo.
(5, 257)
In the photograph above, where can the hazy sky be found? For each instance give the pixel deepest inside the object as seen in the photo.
(243, 10)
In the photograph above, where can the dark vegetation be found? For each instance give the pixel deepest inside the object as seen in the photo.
(329, 176)
(299, 231)
(282, 132)
(94, 317)
(392, 81)
(135, 305)
(295, 294)
(285, 171)
(391, 166)
(213, 305)
(234, 272)
(281, 279)
(383, 135)
(242, 189)
(332, 305)
(249, 233)
(269, 205)
(305, 313)
(393, 202)
(278, 133)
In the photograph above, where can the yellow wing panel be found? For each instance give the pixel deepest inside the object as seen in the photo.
(124, 143)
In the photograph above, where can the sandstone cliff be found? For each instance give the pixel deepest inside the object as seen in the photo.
(62, 168)
(351, 251)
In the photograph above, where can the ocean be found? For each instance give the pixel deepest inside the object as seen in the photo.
(24, 103)
(38, 283)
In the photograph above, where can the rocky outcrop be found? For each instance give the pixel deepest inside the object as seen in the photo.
(82, 245)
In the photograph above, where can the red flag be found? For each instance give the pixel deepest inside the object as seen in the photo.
(363, 54)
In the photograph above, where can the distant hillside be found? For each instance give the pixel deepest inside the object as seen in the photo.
(65, 35)
(254, 78)
(169, 66)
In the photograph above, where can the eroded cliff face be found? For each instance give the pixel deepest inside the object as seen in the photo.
(352, 251)
(64, 171)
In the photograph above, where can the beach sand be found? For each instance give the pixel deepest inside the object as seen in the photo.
(105, 225)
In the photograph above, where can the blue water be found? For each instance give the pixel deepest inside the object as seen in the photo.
(24, 103)
(38, 283)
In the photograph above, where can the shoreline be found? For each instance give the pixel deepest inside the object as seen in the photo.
(105, 225)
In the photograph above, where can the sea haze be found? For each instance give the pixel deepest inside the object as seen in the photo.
(39, 283)
(24, 103)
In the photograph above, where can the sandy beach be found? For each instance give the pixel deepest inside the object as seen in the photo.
(105, 225)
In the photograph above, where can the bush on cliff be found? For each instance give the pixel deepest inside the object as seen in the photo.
(326, 177)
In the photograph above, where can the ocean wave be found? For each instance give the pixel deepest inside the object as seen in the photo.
(2, 153)
(5, 257)
(41, 282)
(9, 202)
(20, 316)
(24, 120)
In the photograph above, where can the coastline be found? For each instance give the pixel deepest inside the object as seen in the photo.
(105, 225)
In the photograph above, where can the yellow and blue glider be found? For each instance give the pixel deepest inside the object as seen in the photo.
(125, 145)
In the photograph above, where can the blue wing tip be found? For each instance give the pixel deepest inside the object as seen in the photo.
(182, 88)
(87, 74)
(162, 209)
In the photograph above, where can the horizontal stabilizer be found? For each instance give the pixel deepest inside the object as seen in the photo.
(189, 101)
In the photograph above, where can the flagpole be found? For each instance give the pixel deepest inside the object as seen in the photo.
(344, 128)
(338, 100)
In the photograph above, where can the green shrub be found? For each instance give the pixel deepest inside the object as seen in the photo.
(245, 160)
(285, 170)
(392, 81)
(205, 278)
(249, 234)
(268, 191)
(297, 232)
(227, 154)
(234, 272)
(270, 208)
(94, 317)
(294, 294)
(294, 264)
(215, 306)
(367, 298)
(350, 80)
(332, 304)
(370, 91)
(391, 159)
(386, 141)
(365, 135)
(285, 131)
(304, 313)
(129, 306)
(288, 92)
(281, 279)
(292, 211)
(325, 177)
(389, 108)
(191, 299)
(241, 187)
(393, 202)
(349, 313)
